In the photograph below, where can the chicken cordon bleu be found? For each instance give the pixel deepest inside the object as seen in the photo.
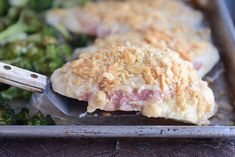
(201, 53)
(154, 82)
(111, 17)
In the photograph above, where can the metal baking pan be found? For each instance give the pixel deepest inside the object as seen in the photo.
(120, 124)
(231, 5)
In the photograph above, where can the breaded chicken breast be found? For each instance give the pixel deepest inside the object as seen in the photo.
(110, 17)
(194, 48)
(154, 82)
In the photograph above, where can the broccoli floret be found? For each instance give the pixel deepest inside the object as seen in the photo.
(37, 5)
(40, 119)
(40, 5)
(13, 15)
(43, 57)
(23, 118)
(14, 93)
(4, 6)
(7, 115)
(28, 22)
(9, 19)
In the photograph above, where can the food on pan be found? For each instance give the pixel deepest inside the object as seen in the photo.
(159, 23)
(155, 82)
(108, 17)
(193, 48)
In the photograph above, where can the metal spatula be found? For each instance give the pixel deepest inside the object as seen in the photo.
(35, 82)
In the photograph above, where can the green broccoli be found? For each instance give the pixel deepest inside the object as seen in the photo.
(40, 5)
(40, 119)
(37, 5)
(23, 118)
(4, 6)
(42, 57)
(14, 93)
(10, 18)
(7, 115)
(28, 22)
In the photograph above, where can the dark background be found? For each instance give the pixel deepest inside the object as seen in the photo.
(120, 147)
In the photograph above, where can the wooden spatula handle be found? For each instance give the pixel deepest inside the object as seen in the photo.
(22, 78)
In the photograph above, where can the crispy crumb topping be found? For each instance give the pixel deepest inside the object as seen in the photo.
(108, 17)
(188, 44)
(138, 67)
(132, 13)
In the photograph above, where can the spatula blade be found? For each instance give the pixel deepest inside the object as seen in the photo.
(69, 106)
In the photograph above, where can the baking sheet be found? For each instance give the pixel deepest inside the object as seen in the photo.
(122, 124)
(231, 5)
(217, 81)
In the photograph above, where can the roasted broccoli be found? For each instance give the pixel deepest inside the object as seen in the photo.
(7, 115)
(4, 6)
(23, 117)
(42, 57)
(40, 119)
(28, 22)
(10, 18)
(13, 93)
(40, 5)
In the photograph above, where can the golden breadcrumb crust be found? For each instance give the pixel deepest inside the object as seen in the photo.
(124, 16)
(188, 45)
(136, 12)
(129, 68)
